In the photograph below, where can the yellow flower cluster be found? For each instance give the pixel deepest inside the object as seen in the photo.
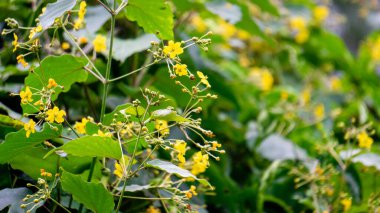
(55, 115)
(52, 83)
(82, 12)
(162, 127)
(203, 78)
(200, 163)
(191, 192)
(80, 127)
(173, 49)
(180, 148)
(299, 25)
(100, 43)
(364, 140)
(346, 203)
(118, 170)
(262, 78)
(320, 13)
(21, 60)
(29, 127)
(26, 96)
(180, 69)
(45, 173)
(319, 112)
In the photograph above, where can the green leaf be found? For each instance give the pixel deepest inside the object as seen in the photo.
(91, 128)
(169, 168)
(134, 188)
(265, 5)
(55, 10)
(128, 47)
(16, 142)
(128, 109)
(5, 120)
(155, 16)
(64, 69)
(93, 146)
(168, 115)
(13, 198)
(93, 195)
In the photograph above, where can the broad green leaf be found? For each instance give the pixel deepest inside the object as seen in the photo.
(168, 115)
(55, 10)
(13, 198)
(91, 128)
(128, 47)
(266, 6)
(93, 146)
(126, 109)
(64, 69)
(93, 195)
(153, 16)
(169, 168)
(134, 188)
(8, 121)
(16, 142)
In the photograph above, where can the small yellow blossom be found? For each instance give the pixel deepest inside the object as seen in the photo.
(375, 50)
(65, 45)
(335, 83)
(102, 134)
(127, 130)
(297, 23)
(284, 95)
(82, 12)
(262, 78)
(306, 96)
(200, 163)
(319, 112)
(26, 96)
(55, 115)
(320, 13)
(346, 203)
(203, 79)
(45, 173)
(191, 192)
(152, 209)
(100, 43)
(32, 33)
(199, 24)
(30, 127)
(118, 170)
(21, 60)
(173, 49)
(180, 69)
(180, 147)
(215, 145)
(302, 36)
(38, 28)
(51, 83)
(364, 140)
(162, 127)
(80, 127)
(15, 42)
(226, 29)
(82, 40)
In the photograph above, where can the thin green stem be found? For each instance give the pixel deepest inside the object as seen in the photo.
(145, 198)
(132, 72)
(60, 205)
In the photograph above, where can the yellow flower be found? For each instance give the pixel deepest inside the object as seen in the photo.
(100, 43)
(215, 145)
(180, 69)
(65, 46)
(82, 40)
(191, 192)
(284, 95)
(15, 42)
(200, 163)
(226, 29)
(346, 203)
(21, 60)
(203, 79)
(335, 83)
(82, 12)
(29, 127)
(32, 33)
(199, 24)
(319, 112)
(180, 147)
(80, 127)
(173, 49)
(55, 115)
(375, 51)
(302, 36)
(102, 134)
(297, 23)
(152, 209)
(365, 141)
(320, 13)
(262, 78)
(38, 28)
(162, 127)
(118, 170)
(26, 96)
(51, 83)
(306, 96)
